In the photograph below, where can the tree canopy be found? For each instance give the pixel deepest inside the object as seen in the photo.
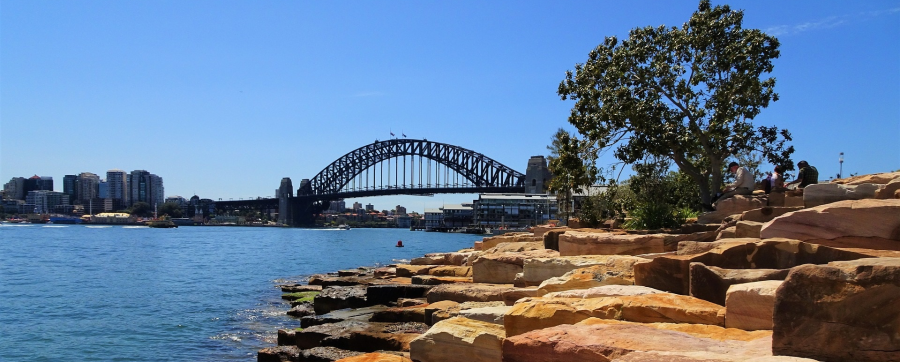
(141, 209)
(685, 93)
(170, 208)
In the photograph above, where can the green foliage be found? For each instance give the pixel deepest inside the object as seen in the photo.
(141, 209)
(573, 168)
(684, 93)
(300, 296)
(662, 199)
(170, 208)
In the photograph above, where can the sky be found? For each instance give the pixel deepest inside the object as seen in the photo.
(224, 98)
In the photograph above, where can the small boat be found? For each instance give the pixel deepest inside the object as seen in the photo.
(163, 223)
(344, 227)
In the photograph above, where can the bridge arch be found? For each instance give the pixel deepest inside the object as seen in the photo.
(481, 172)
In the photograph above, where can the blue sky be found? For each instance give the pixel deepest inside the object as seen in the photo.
(224, 98)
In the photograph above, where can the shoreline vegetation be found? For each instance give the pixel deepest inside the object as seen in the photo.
(804, 275)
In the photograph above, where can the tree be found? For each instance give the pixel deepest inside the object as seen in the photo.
(572, 166)
(141, 209)
(170, 208)
(687, 94)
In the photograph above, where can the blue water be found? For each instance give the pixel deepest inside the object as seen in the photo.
(85, 293)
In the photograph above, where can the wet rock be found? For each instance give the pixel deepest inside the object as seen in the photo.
(325, 354)
(750, 306)
(278, 354)
(353, 273)
(302, 310)
(334, 298)
(843, 311)
(286, 337)
(459, 339)
(388, 294)
(376, 337)
(575, 243)
(296, 288)
(871, 224)
(711, 283)
(312, 336)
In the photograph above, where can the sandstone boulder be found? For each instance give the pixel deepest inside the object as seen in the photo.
(356, 314)
(433, 280)
(821, 194)
(537, 270)
(604, 291)
(617, 270)
(325, 354)
(414, 313)
(711, 283)
(388, 294)
(731, 206)
(278, 354)
(871, 224)
(749, 306)
(501, 268)
(875, 178)
(511, 296)
(459, 339)
(890, 190)
(486, 314)
(375, 357)
(618, 341)
(575, 243)
(515, 247)
(490, 242)
(843, 311)
(767, 213)
(538, 313)
(408, 271)
(385, 272)
(551, 238)
(456, 259)
(377, 337)
(747, 229)
(468, 292)
(727, 233)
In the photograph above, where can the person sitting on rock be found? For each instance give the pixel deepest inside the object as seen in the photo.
(808, 175)
(743, 183)
(775, 181)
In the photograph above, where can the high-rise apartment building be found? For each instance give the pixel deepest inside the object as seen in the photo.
(145, 187)
(88, 187)
(46, 202)
(15, 188)
(70, 187)
(117, 185)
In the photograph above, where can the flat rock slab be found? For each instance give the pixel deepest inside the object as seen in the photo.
(616, 270)
(711, 283)
(459, 339)
(375, 357)
(433, 280)
(334, 298)
(468, 292)
(490, 242)
(357, 314)
(615, 342)
(870, 224)
(539, 313)
(278, 354)
(537, 270)
(821, 194)
(766, 214)
(294, 288)
(456, 259)
(750, 306)
(387, 294)
(486, 314)
(731, 206)
(575, 243)
(502, 267)
(604, 291)
(325, 354)
(843, 311)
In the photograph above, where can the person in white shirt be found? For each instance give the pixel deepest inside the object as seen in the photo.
(743, 182)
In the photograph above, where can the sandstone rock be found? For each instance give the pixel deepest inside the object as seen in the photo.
(618, 270)
(697, 330)
(776, 199)
(296, 288)
(286, 337)
(511, 296)
(537, 270)
(731, 206)
(334, 298)
(875, 178)
(411, 302)
(414, 313)
(329, 281)
(443, 308)
(353, 272)
(278, 354)
(325, 354)
(694, 247)
(821, 194)
(711, 283)
(671, 241)
(435, 280)
(455, 310)
(479, 245)
(843, 311)
(575, 243)
(455, 259)
(375, 357)
(539, 313)
(747, 229)
(618, 341)
(388, 294)
(767, 213)
(490, 242)
(670, 272)
(377, 337)
(890, 190)
(871, 224)
(727, 233)
(312, 336)
(749, 306)
(542, 230)
(404, 270)
(486, 314)
(385, 272)
(551, 238)
(604, 291)
(459, 339)
(302, 310)
(468, 292)
(515, 247)
(793, 201)
(501, 268)
(357, 314)
(451, 271)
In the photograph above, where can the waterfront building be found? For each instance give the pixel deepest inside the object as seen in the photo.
(400, 210)
(45, 202)
(103, 189)
(514, 210)
(13, 206)
(404, 221)
(70, 187)
(146, 187)
(434, 218)
(118, 186)
(357, 206)
(15, 188)
(457, 215)
(370, 207)
(537, 175)
(88, 187)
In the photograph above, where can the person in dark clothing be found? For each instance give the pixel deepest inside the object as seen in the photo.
(808, 175)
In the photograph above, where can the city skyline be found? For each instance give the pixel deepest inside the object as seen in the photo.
(225, 100)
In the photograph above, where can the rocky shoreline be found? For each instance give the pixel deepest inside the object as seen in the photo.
(811, 276)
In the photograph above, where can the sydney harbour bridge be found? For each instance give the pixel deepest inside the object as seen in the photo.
(391, 167)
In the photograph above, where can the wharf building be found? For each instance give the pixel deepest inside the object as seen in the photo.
(514, 210)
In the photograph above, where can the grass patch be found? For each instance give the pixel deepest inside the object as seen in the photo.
(300, 296)
(298, 329)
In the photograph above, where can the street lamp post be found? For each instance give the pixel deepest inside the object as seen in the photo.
(841, 170)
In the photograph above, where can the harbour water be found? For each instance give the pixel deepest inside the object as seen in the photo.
(113, 293)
